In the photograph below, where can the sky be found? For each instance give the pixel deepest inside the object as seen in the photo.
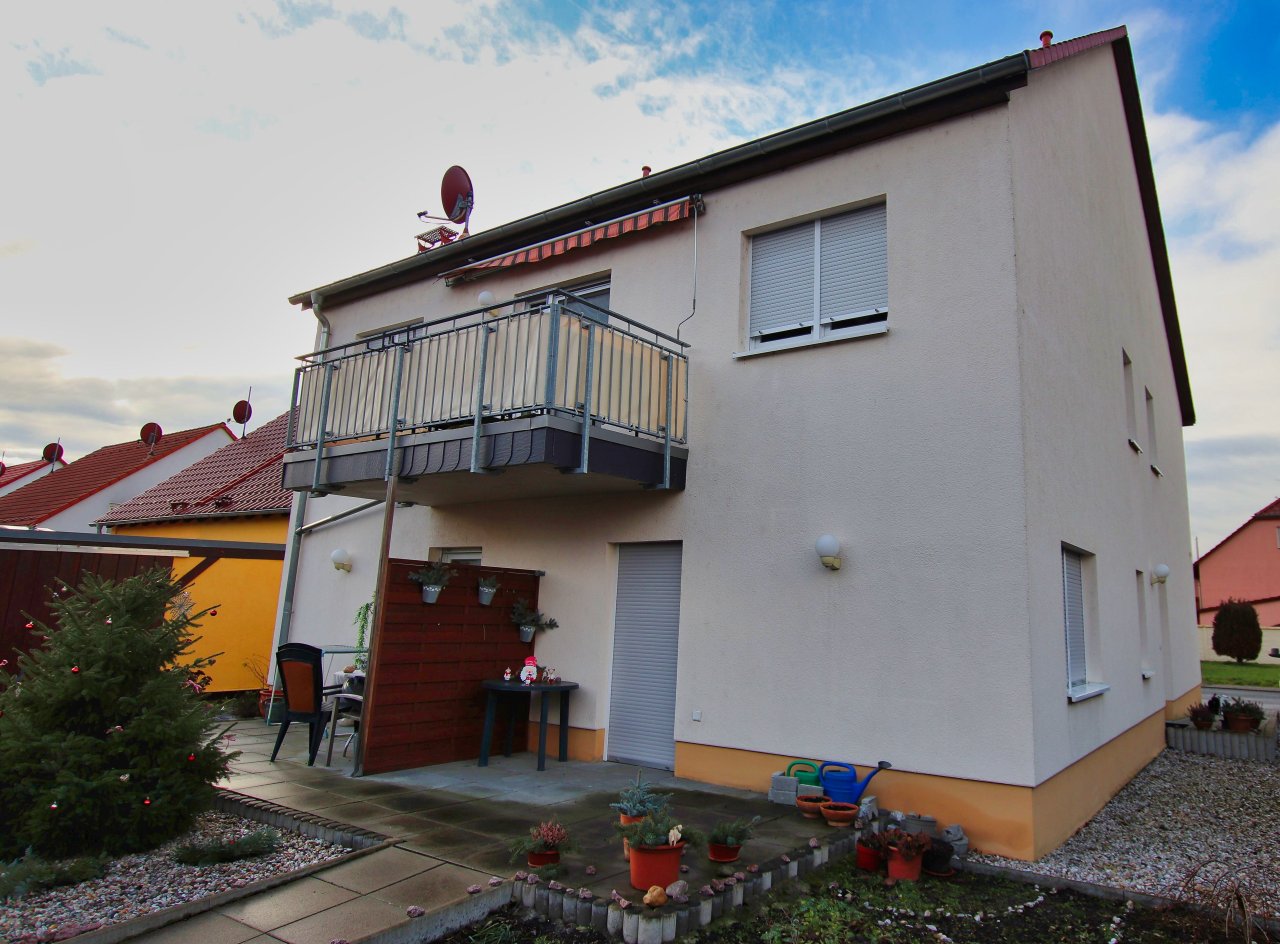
(173, 172)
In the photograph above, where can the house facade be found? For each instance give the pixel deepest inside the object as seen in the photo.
(917, 328)
(232, 495)
(1245, 565)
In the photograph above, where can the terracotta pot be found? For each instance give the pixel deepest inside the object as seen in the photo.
(626, 820)
(1238, 723)
(550, 857)
(655, 865)
(718, 852)
(905, 869)
(869, 860)
(811, 806)
(840, 815)
(1202, 724)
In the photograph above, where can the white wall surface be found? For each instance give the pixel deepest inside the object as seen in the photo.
(82, 515)
(1086, 291)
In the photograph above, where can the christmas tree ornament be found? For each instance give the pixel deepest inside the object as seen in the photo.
(53, 806)
(213, 612)
(75, 670)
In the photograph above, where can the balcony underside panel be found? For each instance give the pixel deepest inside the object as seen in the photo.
(521, 459)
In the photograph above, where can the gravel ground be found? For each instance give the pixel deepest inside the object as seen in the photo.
(140, 884)
(1182, 812)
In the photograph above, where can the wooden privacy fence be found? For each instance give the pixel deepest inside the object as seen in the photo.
(428, 706)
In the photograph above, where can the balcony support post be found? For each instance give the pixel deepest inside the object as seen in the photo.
(666, 427)
(583, 465)
(553, 355)
(393, 417)
(324, 421)
(478, 403)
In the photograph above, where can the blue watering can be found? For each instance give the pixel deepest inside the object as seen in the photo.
(841, 783)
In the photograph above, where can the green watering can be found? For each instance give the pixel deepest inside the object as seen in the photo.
(810, 777)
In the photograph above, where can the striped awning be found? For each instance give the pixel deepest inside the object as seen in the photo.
(672, 212)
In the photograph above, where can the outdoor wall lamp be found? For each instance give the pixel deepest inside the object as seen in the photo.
(828, 549)
(485, 298)
(341, 559)
(1159, 574)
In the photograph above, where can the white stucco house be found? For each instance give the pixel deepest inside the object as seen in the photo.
(938, 328)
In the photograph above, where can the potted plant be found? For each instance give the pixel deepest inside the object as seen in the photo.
(657, 842)
(488, 587)
(905, 853)
(870, 851)
(1201, 716)
(840, 815)
(635, 802)
(530, 620)
(1240, 715)
(270, 701)
(364, 617)
(810, 806)
(434, 577)
(543, 845)
(724, 844)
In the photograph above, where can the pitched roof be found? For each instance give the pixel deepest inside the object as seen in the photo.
(242, 478)
(1267, 512)
(50, 494)
(979, 87)
(12, 473)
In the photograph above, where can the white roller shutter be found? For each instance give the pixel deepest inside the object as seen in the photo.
(854, 272)
(646, 636)
(1073, 608)
(782, 280)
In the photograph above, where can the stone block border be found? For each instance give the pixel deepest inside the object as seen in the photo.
(1254, 745)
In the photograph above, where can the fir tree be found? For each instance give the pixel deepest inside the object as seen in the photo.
(105, 745)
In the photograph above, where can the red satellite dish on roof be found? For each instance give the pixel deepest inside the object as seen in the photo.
(151, 434)
(52, 452)
(457, 194)
(242, 412)
(2, 468)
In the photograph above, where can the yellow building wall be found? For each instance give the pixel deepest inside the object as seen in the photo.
(244, 592)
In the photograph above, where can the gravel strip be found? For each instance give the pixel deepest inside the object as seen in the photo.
(1182, 812)
(151, 881)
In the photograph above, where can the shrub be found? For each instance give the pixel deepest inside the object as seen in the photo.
(256, 843)
(32, 874)
(105, 744)
(1236, 633)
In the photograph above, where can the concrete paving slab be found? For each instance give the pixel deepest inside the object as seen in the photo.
(350, 921)
(432, 889)
(208, 928)
(378, 869)
(354, 812)
(286, 904)
(276, 790)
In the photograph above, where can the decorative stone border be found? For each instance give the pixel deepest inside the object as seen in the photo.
(638, 924)
(1252, 745)
(360, 841)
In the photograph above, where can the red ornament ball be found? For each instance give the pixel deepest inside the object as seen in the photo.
(147, 801)
(75, 670)
(31, 626)
(191, 757)
(53, 806)
(213, 612)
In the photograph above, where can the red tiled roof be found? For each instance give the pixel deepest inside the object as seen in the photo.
(14, 472)
(1271, 511)
(50, 494)
(241, 478)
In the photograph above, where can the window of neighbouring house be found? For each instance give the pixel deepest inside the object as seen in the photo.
(821, 280)
(1074, 575)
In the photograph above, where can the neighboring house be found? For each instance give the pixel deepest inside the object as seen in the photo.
(1245, 565)
(15, 477)
(232, 495)
(939, 327)
(72, 498)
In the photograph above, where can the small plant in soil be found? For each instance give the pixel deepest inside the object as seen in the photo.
(659, 829)
(1200, 712)
(733, 832)
(32, 874)
(432, 575)
(545, 837)
(257, 843)
(1244, 709)
(638, 799)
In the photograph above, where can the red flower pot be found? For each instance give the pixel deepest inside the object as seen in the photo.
(905, 869)
(869, 860)
(718, 852)
(655, 865)
(626, 820)
(550, 857)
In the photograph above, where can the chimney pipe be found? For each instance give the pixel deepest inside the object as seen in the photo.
(646, 170)
(1046, 39)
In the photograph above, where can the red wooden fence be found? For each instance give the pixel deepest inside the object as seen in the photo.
(429, 706)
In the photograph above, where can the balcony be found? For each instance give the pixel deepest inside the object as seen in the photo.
(560, 396)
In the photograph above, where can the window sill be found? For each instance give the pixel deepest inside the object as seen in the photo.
(1078, 693)
(852, 334)
(1155, 470)
(1133, 444)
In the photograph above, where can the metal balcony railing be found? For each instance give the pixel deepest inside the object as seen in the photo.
(558, 355)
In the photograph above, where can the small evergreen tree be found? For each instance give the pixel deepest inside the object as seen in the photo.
(105, 745)
(1236, 632)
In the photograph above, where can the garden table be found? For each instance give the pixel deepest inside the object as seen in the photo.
(498, 688)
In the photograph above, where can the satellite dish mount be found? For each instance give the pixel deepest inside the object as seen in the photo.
(458, 196)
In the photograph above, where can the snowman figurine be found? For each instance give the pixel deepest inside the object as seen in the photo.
(506, 676)
(529, 674)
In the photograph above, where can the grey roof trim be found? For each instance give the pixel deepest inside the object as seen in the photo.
(255, 550)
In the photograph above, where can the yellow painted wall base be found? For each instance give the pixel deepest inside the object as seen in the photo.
(584, 743)
(1178, 707)
(1015, 821)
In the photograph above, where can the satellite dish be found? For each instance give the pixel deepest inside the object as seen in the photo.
(458, 195)
(242, 412)
(2, 468)
(151, 434)
(52, 452)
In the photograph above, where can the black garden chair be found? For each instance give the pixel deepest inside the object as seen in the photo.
(299, 673)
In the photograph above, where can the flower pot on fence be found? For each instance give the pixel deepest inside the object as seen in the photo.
(526, 633)
(430, 594)
(719, 852)
(869, 859)
(907, 870)
(486, 595)
(549, 857)
(655, 865)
